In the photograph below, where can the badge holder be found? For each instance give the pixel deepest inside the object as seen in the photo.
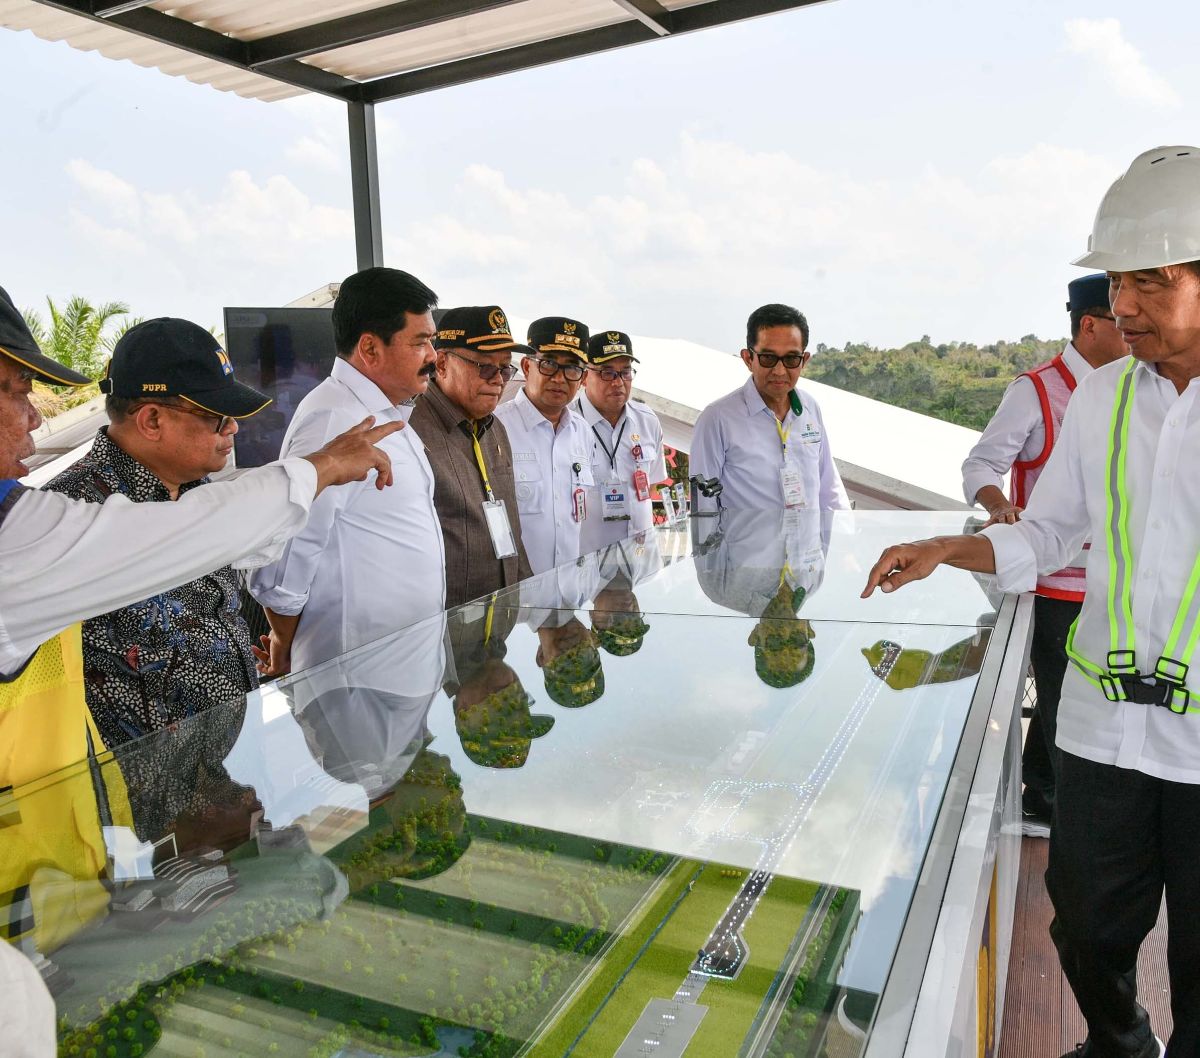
(792, 483)
(496, 516)
(615, 502)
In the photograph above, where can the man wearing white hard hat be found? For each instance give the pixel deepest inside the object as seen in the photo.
(1122, 474)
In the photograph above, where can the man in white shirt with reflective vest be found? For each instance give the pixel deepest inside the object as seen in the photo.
(1122, 474)
(367, 563)
(766, 442)
(63, 561)
(1020, 437)
(626, 444)
(549, 443)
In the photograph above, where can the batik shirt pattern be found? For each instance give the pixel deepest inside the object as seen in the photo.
(167, 657)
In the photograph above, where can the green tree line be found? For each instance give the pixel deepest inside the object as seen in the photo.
(959, 382)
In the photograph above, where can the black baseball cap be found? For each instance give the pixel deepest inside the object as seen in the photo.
(608, 345)
(483, 328)
(16, 342)
(1087, 292)
(558, 334)
(169, 357)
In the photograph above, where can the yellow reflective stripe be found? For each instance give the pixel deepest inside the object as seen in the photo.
(1123, 524)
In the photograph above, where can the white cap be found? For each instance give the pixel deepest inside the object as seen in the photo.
(1151, 216)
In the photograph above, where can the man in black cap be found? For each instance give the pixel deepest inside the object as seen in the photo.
(549, 442)
(1020, 438)
(63, 561)
(173, 407)
(475, 491)
(626, 443)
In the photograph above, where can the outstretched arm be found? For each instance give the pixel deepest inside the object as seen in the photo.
(908, 562)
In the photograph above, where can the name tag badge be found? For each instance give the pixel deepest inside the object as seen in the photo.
(579, 504)
(641, 485)
(793, 487)
(615, 502)
(498, 525)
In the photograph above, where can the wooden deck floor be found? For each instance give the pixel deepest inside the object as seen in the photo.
(1041, 1019)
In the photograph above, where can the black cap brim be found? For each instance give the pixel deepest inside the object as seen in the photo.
(44, 369)
(236, 399)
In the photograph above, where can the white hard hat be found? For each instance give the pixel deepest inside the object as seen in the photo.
(1150, 216)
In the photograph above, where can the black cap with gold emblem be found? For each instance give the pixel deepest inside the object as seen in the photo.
(17, 344)
(608, 345)
(483, 328)
(558, 334)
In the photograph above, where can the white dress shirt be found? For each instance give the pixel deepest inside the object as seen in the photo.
(735, 439)
(544, 466)
(369, 562)
(63, 560)
(1164, 527)
(637, 426)
(1016, 433)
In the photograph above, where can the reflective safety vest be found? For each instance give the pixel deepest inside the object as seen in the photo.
(1120, 680)
(58, 789)
(1054, 384)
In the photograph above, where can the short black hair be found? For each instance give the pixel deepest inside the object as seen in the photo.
(120, 408)
(377, 301)
(1078, 314)
(775, 316)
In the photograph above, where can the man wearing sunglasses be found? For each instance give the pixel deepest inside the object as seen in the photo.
(766, 442)
(551, 462)
(1019, 438)
(173, 407)
(468, 448)
(626, 443)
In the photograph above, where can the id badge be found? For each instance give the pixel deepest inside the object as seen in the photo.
(496, 516)
(615, 501)
(579, 504)
(669, 508)
(793, 486)
(641, 485)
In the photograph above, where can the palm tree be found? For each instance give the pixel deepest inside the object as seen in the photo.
(79, 335)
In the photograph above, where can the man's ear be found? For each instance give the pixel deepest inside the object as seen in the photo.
(748, 358)
(441, 361)
(148, 421)
(526, 367)
(366, 347)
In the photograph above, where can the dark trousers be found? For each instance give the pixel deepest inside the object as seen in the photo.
(1052, 620)
(1119, 838)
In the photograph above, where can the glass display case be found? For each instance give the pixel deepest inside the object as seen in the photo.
(675, 799)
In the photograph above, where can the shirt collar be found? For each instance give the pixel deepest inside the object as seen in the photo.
(136, 480)
(755, 403)
(530, 416)
(1075, 362)
(367, 392)
(592, 415)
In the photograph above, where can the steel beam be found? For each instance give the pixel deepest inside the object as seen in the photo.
(198, 40)
(650, 13)
(110, 9)
(364, 182)
(363, 26)
(571, 46)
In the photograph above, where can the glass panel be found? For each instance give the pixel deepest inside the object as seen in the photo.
(681, 827)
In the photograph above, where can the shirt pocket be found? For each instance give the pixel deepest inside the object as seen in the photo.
(531, 488)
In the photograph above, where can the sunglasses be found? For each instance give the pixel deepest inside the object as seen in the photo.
(550, 368)
(487, 371)
(768, 360)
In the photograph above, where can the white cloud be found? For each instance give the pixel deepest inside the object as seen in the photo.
(1103, 40)
(308, 150)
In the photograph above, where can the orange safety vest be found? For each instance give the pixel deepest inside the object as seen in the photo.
(1054, 384)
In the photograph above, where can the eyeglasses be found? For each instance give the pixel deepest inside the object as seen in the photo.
(1101, 316)
(768, 360)
(550, 368)
(487, 371)
(220, 422)
(611, 374)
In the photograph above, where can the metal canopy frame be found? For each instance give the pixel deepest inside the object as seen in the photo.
(281, 58)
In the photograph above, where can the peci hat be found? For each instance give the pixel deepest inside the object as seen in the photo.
(1087, 292)
(168, 357)
(16, 342)
(483, 328)
(558, 334)
(608, 345)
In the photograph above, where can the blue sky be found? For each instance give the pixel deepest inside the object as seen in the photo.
(892, 169)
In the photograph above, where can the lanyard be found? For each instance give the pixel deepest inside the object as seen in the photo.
(487, 623)
(612, 456)
(487, 485)
(797, 407)
(783, 435)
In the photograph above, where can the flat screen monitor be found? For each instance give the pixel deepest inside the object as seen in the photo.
(284, 353)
